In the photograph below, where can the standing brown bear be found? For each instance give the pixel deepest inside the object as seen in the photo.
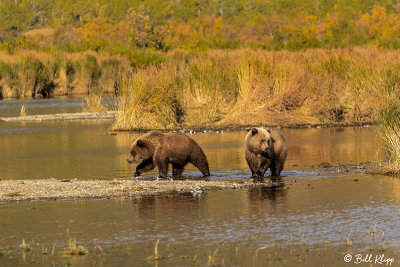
(159, 149)
(265, 148)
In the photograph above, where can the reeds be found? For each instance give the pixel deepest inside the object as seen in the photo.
(217, 88)
(74, 249)
(389, 121)
(239, 88)
(28, 73)
(147, 101)
(94, 104)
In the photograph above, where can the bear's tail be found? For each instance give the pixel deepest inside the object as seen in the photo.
(199, 159)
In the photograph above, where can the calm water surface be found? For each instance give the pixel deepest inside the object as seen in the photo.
(313, 220)
(306, 222)
(67, 104)
(83, 149)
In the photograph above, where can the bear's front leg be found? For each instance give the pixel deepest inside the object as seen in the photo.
(262, 168)
(251, 162)
(177, 170)
(145, 166)
(162, 164)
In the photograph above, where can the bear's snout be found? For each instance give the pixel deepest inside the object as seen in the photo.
(265, 149)
(266, 152)
(130, 160)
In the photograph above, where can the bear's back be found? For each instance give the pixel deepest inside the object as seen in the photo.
(280, 145)
(178, 140)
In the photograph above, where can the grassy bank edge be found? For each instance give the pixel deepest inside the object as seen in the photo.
(247, 127)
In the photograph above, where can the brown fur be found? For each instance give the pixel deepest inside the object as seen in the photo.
(265, 148)
(159, 149)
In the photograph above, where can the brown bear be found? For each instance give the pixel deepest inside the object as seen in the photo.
(265, 148)
(159, 149)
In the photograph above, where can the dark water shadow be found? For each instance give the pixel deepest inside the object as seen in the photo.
(271, 193)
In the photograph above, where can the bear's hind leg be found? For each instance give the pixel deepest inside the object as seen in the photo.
(276, 168)
(200, 162)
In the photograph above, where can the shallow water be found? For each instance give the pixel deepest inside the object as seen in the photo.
(306, 222)
(84, 150)
(39, 106)
(315, 219)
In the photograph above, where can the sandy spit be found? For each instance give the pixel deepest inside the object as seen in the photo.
(64, 116)
(53, 189)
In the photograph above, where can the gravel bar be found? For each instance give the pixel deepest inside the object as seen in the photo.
(53, 189)
(65, 116)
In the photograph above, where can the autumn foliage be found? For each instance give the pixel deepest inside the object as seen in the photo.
(198, 25)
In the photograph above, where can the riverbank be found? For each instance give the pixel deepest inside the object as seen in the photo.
(217, 88)
(229, 89)
(113, 115)
(53, 189)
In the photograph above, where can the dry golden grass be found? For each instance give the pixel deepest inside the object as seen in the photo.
(218, 88)
(23, 111)
(391, 138)
(94, 104)
(389, 131)
(60, 73)
(147, 101)
(237, 88)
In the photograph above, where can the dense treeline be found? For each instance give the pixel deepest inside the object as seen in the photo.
(198, 24)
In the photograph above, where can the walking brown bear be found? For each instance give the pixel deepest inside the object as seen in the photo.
(265, 148)
(159, 149)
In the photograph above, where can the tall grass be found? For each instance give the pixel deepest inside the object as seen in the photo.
(217, 88)
(389, 131)
(237, 88)
(94, 104)
(27, 73)
(147, 101)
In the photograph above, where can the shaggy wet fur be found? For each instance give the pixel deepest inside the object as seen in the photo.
(160, 149)
(265, 148)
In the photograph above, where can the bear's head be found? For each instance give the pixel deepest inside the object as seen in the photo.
(259, 141)
(142, 149)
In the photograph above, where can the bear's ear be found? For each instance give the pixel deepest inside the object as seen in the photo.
(269, 130)
(254, 131)
(140, 143)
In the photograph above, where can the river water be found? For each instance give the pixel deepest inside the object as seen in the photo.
(85, 150)
(315, 219)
